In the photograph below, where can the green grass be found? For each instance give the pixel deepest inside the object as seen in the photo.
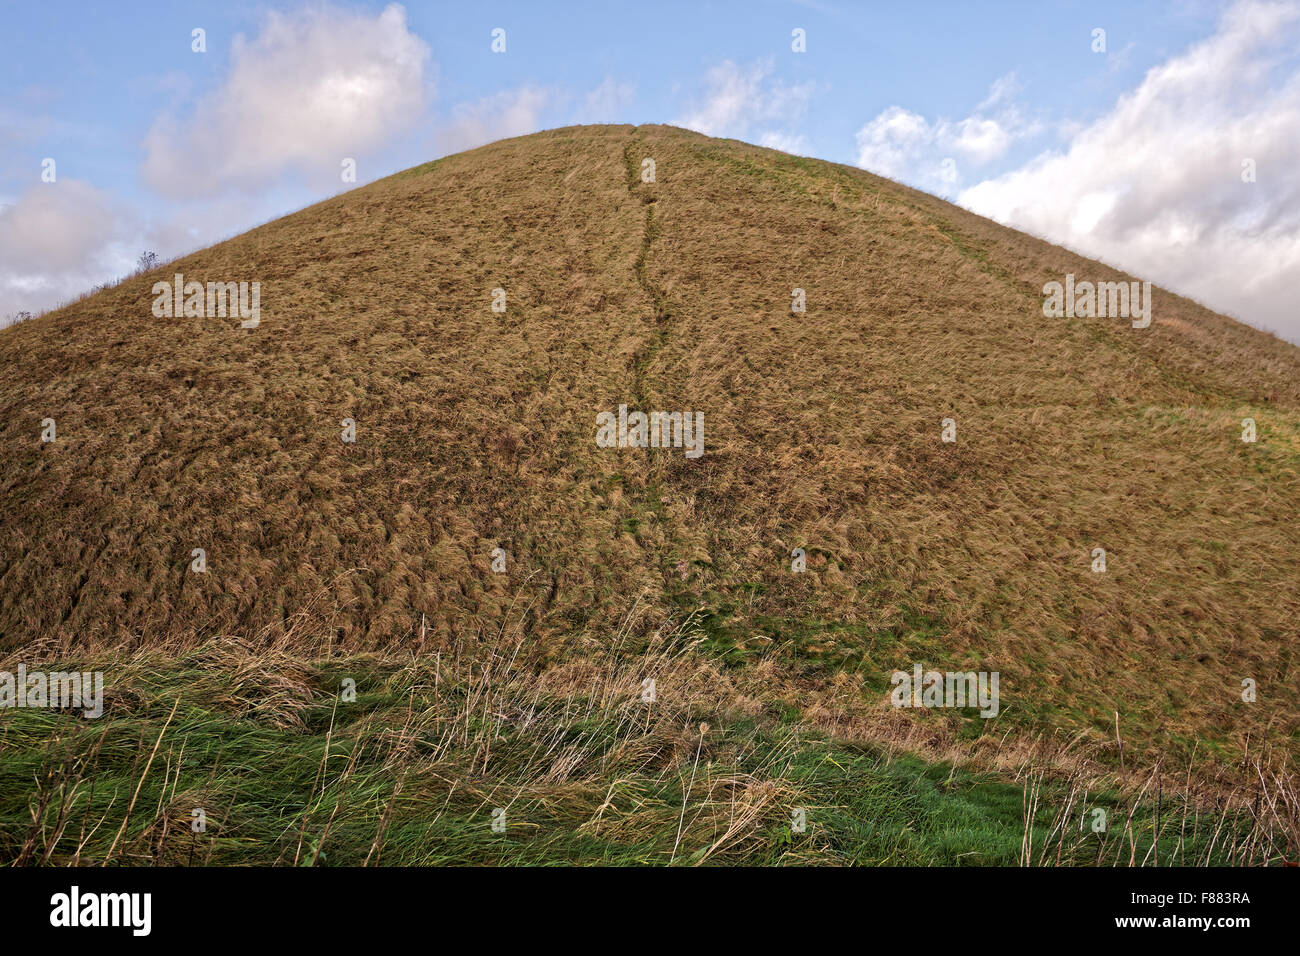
(411, 771)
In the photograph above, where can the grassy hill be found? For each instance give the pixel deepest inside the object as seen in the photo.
(475, 430)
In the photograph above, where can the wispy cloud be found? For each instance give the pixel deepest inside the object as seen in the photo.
(508, 113)
(608, 103)
(748, 102)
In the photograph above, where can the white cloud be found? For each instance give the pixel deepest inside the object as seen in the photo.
(738, 100)
(608, 102)
(980, 139)
(890, 143)
(55, 226)
(904, 145)
(312, 88)
(795, 143)
(1004, 88)
(56, 241)
(508, 113)
(1155, 186)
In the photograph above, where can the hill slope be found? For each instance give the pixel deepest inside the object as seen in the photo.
(476, 430)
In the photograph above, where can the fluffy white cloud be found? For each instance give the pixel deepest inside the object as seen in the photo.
(56, 241)
(312, 88)
(892, 142)
(55, 226)
(981, 139)
(738, 100)
(904, 145)
(1155, 186)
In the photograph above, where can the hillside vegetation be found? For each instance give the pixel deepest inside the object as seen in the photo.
(475, 430)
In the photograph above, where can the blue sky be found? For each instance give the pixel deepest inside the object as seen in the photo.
(1132, 154)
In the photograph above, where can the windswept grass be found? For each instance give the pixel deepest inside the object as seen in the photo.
(582, 763)
(475, 431)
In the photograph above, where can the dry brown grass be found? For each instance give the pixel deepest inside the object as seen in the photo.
(476, 430)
